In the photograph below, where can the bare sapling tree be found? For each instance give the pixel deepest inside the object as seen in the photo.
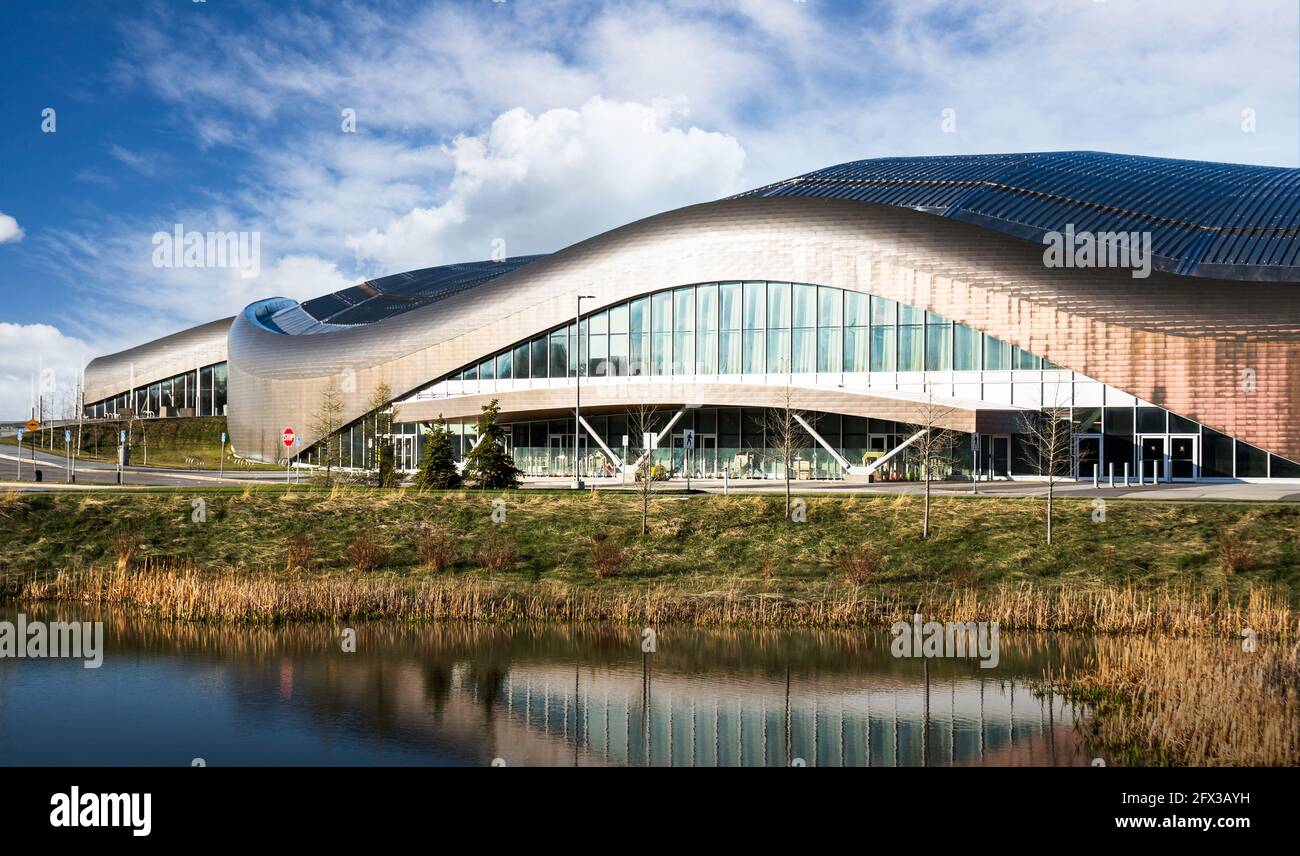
(325, 424)
(1049, 448)
(785, 436)
(932, 450)
(640, 422)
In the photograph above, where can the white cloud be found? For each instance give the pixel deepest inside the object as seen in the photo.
(39, 359)
(582, 117)
(146, 165)
(543, 182)
(10, 231)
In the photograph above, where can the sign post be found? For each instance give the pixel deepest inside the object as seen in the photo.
(121, 453)
(67, 454)
(287, 436)
(221, 461)
(33, 426)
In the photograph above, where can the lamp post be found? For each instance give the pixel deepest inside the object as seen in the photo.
(577, 387)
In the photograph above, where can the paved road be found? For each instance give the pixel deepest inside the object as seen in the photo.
(94, 475)
(102, 476)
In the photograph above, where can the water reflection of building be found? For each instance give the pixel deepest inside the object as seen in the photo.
(602, 713)
(559, 695)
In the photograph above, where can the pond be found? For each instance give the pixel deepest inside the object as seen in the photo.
(478, 694)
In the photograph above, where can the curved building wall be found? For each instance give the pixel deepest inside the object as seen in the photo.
(1224, 353)
(162, 358)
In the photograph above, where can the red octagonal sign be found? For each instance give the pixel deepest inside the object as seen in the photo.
(287, 437)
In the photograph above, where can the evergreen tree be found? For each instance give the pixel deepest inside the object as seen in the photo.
(489, 465)
(438, 463)
(386, 460)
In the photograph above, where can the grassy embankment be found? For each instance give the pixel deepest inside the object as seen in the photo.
(286, 553)
(170, 443)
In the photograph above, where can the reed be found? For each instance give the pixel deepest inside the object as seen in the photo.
(1191, 702)
(181, 590)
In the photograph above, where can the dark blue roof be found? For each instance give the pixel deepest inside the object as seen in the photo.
(387, 296)
(1229, 221)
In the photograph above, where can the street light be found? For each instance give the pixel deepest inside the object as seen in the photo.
(577, 387)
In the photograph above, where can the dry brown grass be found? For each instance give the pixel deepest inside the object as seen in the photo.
(1192, 701)
(607, 556)
(437, 549)
(182, 591)
(364, 552)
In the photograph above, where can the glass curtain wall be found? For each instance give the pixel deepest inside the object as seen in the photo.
(729, 328)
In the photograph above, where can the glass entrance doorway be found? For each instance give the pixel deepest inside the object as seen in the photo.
(996, 455)
(404, 453)
(404, 456)
(1087, 456)
(1182, 457)
(1152, 464)
(560, 455)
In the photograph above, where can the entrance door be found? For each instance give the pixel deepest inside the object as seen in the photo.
(403, 451)
(1087, 455)
(997, 455)
(707, 455)
(561, 454)
(1182, 457)
(1153, 458)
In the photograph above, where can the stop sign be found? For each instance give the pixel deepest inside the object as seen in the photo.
(287, 437)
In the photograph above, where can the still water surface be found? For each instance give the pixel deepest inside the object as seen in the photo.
(469, 694)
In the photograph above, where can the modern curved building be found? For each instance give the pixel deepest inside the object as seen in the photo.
(1158, 300)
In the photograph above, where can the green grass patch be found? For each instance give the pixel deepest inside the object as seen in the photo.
(696, 541)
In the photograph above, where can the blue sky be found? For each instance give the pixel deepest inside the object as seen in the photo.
(536, 123)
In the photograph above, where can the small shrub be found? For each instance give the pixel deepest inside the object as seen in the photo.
(125, 544)
(299, 550)
(496, 553)
(1235, 553)
(437, 549)
(607, 556)
(861, 565)
(364, 552)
